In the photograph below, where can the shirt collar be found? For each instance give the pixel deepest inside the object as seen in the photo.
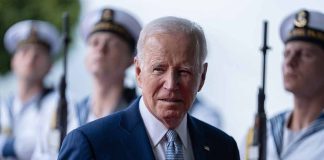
(182, 131)
(155, 128)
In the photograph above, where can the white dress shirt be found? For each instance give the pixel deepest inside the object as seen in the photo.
(156, 132)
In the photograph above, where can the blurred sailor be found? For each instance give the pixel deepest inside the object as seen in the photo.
(110, 36)
(32, 44)
(299, 133)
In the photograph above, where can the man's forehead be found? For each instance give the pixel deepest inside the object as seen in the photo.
(153, 43)
(164, 41)
(38, 48)
(162, 45)
(102, 35)
(33, 45)
(163, 59)
(302, 44)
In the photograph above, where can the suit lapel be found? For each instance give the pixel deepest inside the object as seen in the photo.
(198, 141)
(136, 140)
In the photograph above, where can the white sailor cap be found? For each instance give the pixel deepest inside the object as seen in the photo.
(32, 31)
(112, 20)
(303, 25)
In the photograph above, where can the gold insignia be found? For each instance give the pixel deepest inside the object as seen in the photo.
(301, 19)
(33, 33)
(107, 15)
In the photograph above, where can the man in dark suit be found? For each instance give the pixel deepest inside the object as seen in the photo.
(170, 69)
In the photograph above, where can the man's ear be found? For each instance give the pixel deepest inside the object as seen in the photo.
(203, 76)
(138, 71)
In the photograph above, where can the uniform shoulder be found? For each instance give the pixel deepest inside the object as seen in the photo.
(279, 116)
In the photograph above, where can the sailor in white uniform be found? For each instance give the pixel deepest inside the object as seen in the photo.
(110, 36)
(32, 44)
(298, 134)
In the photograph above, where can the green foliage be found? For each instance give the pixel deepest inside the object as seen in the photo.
(12, 11)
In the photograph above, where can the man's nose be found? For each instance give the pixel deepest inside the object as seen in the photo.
(171, 81)
(31, 55)
(103, 48)
(293, 59)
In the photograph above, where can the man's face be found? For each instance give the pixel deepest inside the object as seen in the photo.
(107, 55)
(303, 68)
(31, 62)
(169, 76)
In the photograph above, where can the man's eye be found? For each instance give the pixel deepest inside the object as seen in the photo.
(158, 70)
(286, 53)
(25, 50)
(93, 42)
(307, 54)
(184, 72)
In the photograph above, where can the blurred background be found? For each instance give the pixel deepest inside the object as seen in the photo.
(234, 32)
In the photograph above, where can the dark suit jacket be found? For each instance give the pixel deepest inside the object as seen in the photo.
(122, 136)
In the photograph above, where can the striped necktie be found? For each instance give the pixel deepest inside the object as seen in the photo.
(173, 147)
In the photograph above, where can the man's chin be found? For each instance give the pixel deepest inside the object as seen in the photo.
(290, 87)
(171, 123)
(172, 119)
(31, 78)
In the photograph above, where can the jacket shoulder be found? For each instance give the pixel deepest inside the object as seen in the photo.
(100, 126)
(220, 144)
(75, 146)
(209, 129)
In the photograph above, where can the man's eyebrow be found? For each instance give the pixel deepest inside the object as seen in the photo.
(158, 64)
(188, 67)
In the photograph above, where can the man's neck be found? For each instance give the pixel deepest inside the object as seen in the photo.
(306, 110)
(27, 90)
(105, 97)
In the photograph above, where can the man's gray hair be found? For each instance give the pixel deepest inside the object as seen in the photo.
(174, 25)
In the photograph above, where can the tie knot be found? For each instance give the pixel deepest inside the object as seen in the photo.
(171, 135)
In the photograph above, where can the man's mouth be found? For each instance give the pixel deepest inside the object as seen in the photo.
(171, 100)
(290, 75)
